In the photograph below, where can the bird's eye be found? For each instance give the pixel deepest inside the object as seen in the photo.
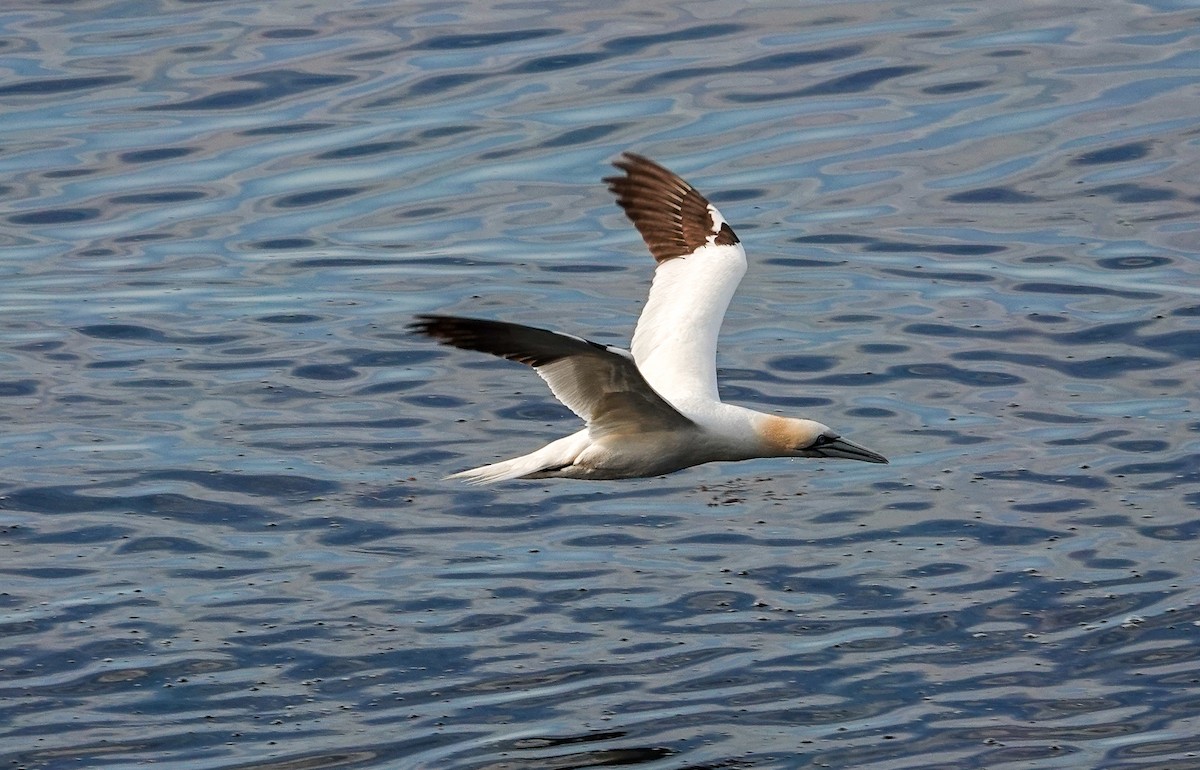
(825, 438)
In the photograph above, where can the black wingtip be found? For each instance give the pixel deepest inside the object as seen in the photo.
(424, 324)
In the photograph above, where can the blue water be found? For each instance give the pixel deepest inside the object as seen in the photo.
(224, 537)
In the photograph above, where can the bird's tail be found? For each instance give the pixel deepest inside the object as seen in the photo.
(539, 464)
(490, 474)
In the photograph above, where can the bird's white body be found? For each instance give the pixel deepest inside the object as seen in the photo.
(721, 432)
(656, 409)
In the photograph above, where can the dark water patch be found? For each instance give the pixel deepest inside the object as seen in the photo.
(273, 85)
(79, 535)
(216, 574)
(1184, 532)
(342, 262)
(871, 413)
(54, 216)
(803, 363)
(431, 401)
(1120, 153)
(630, 44)
(1140, 445)
(582, 268)
(952, 437)
(65, 173)
(69, 499)
(146, 238)
(854, 83)
(832, 238)
(422, 212)
(441, 132)
(156, 154)
(158, 198)
(1066, 505)
(1093, 560)
(316, 197)
(154, 383)
(1091, 438)
(287, 129)
(373, 55)
(430, 86)
(803, 263)
(1123, 331)
(992, 195)
(1180, 471)
(1105, 367)
(541, 65)
(922, 371)
(396, 386)
(733, 195)
(939, 275)
(874, 245)
(366, 149)
(1183, 344)
(40, 346)
(235, 366)
(1133, 263)
(288, 33)
(384, 423)
(344, 531)
(1069, 481)
(883, 348)
(424, 458)
(162, 544)
(12, 388)
(135, 333)
(605, 540)
(283, 244)
(957, 87)
(484, 39)
(264, 484)
(60, 86)
(769, 63)
(578, 136)
(389, 358)
(1050, 418)
(937, 569)
(1131, 192)
(472, 623)
(290, 318)
(328, 372)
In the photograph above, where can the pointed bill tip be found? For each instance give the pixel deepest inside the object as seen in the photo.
(851, 451)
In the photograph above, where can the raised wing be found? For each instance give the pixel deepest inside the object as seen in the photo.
(599, 383)
(700, 263)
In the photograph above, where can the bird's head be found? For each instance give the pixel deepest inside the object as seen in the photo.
(789, 437)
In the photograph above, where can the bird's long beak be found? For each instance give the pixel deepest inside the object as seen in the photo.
(849, 450)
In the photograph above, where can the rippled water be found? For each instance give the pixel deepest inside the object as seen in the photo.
(972, 230)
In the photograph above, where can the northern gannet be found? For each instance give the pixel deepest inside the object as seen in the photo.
(654, 409)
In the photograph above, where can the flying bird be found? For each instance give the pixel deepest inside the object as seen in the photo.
(653, 409)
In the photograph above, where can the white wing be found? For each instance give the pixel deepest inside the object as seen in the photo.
(700, 263)
(599, 383)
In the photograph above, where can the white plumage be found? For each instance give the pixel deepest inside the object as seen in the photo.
(656, 409)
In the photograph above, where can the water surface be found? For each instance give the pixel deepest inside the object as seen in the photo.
(226, 541)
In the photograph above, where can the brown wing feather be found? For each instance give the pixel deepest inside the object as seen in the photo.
(672, 217)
